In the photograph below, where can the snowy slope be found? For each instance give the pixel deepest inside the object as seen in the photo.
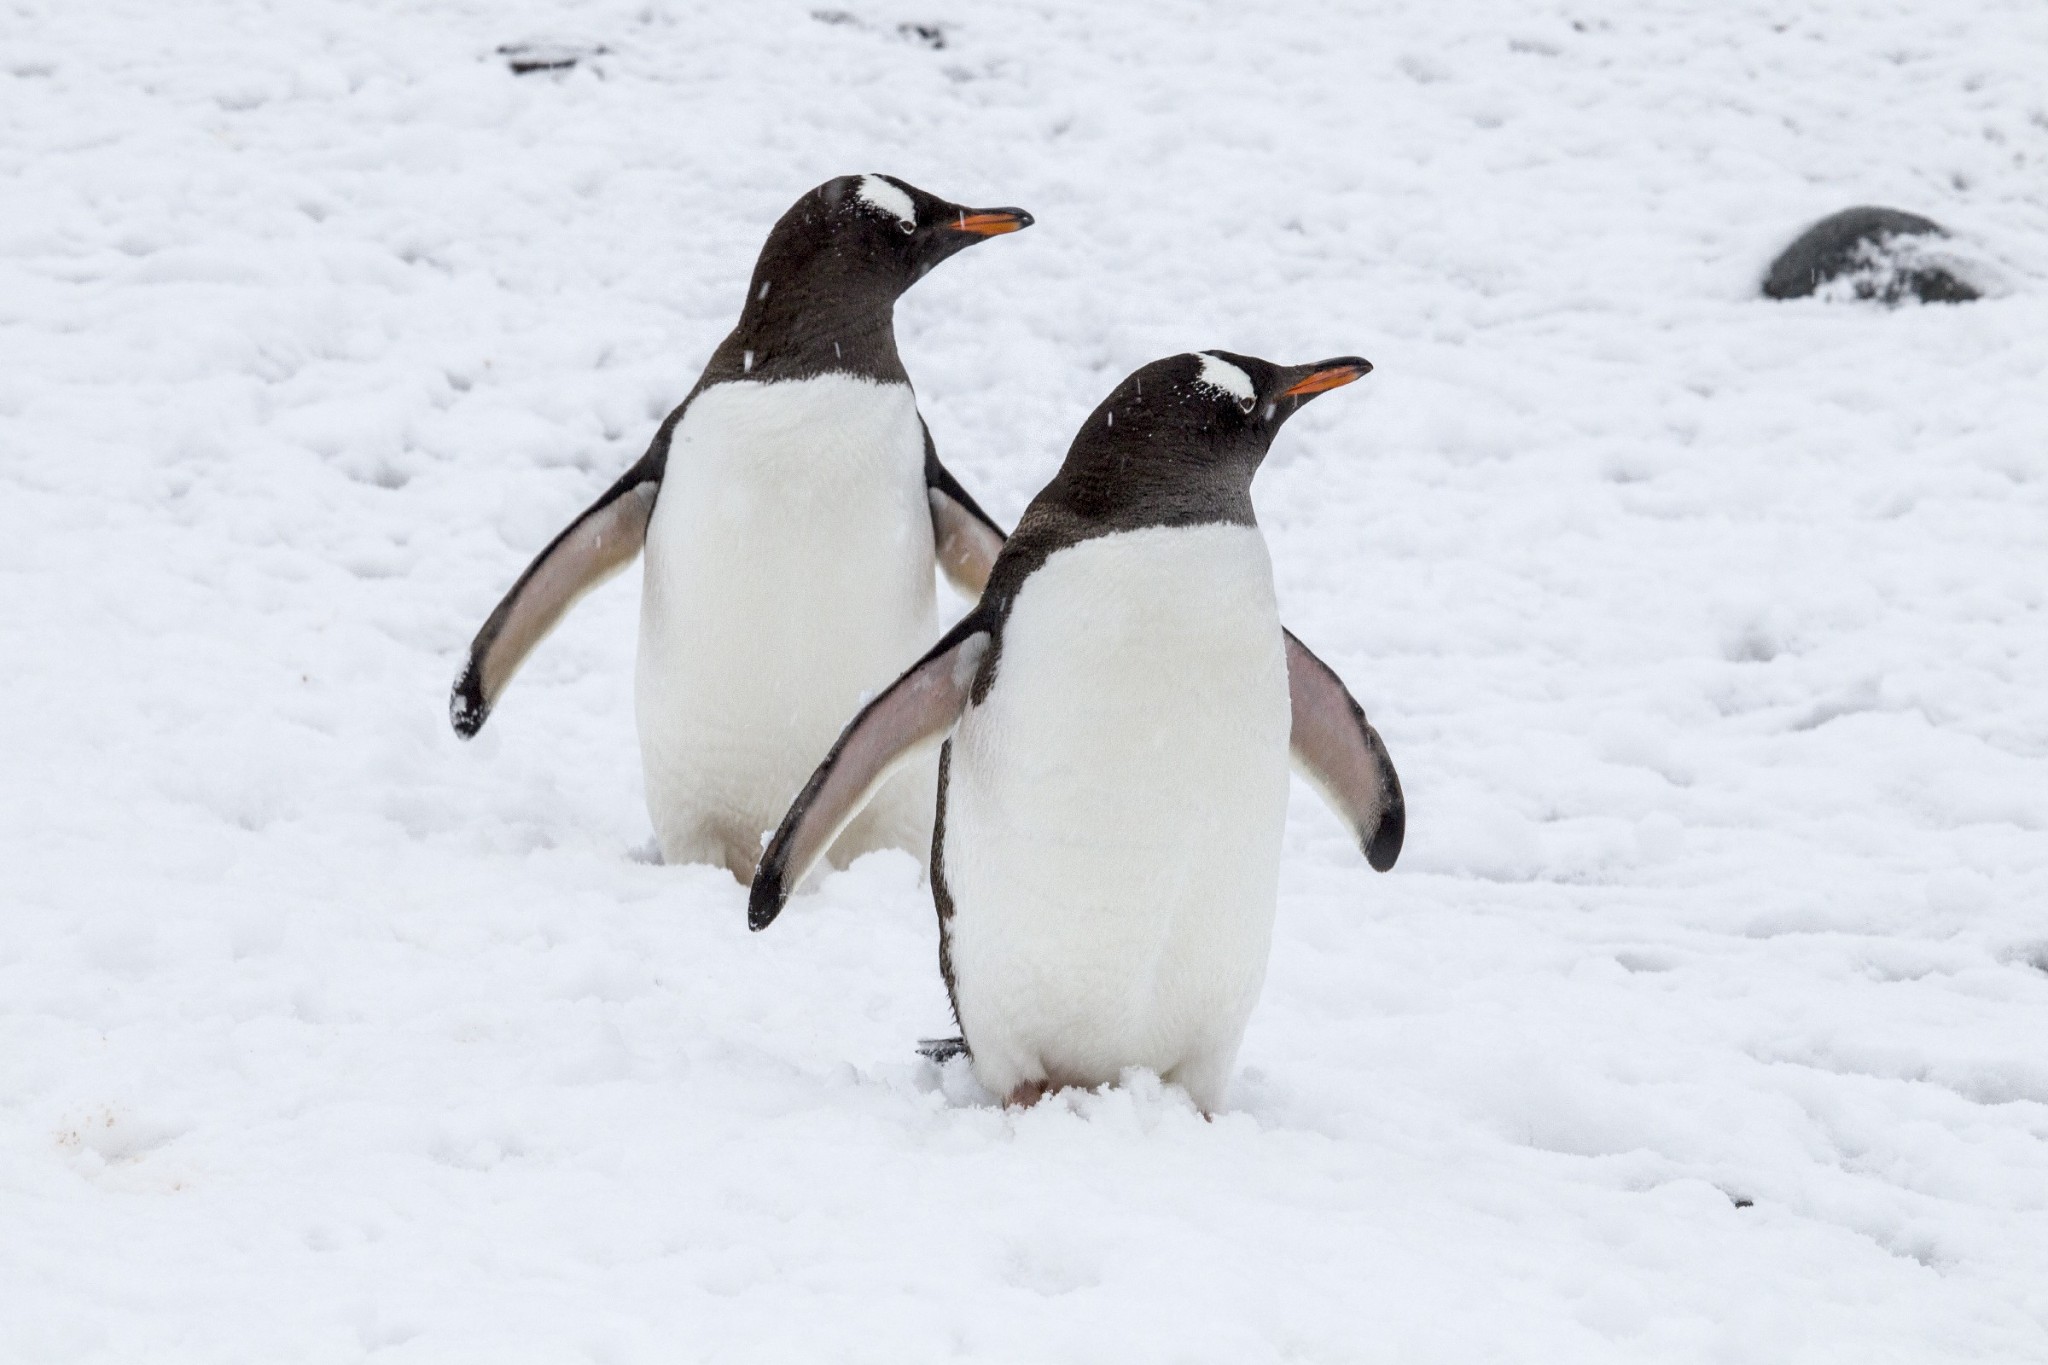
(1710, 636)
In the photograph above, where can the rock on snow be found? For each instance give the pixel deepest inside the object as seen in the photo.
(1702, 1021)
(1869, 253)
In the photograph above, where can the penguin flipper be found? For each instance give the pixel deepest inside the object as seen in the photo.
(595, 546)
(1344, 756)
(916, 712)
(966, 538)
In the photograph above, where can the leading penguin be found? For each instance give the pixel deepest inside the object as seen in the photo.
(1117, 717)
(791, 509)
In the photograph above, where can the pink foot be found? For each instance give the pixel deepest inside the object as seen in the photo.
(1027, 1094)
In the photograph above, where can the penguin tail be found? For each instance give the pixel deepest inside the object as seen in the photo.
(942, 1050)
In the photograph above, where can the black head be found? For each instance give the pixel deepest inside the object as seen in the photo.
(824, 291)
(1178, 442)
(874, 233)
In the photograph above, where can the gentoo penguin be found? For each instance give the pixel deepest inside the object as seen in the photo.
(791, 510)
(1116, 718)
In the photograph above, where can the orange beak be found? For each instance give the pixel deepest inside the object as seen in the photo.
(1327, 378)
(991, 222)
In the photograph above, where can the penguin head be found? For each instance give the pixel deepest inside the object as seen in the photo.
(1221, 403)
(1261, 394)
(864, 239)
(909, 227)
(1180, 439)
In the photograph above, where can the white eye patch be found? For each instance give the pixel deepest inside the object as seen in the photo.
(883, 197)
(1226, 379)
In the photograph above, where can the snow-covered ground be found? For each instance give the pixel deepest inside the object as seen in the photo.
(1704, 1019)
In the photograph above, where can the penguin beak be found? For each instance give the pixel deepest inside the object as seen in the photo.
(1299, 383)
(953, 229)
(987, 222)
(1309, 380)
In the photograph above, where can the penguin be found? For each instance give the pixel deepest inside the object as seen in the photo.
(791, 510)
(1115, 721)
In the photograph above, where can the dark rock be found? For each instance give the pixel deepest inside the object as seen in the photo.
(527, 58)
(933, 36)
(1877, 253)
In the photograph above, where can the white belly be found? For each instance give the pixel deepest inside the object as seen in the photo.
(1114, 814)
(789, 576)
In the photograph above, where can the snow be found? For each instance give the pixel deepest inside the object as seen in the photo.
(1707, 633)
